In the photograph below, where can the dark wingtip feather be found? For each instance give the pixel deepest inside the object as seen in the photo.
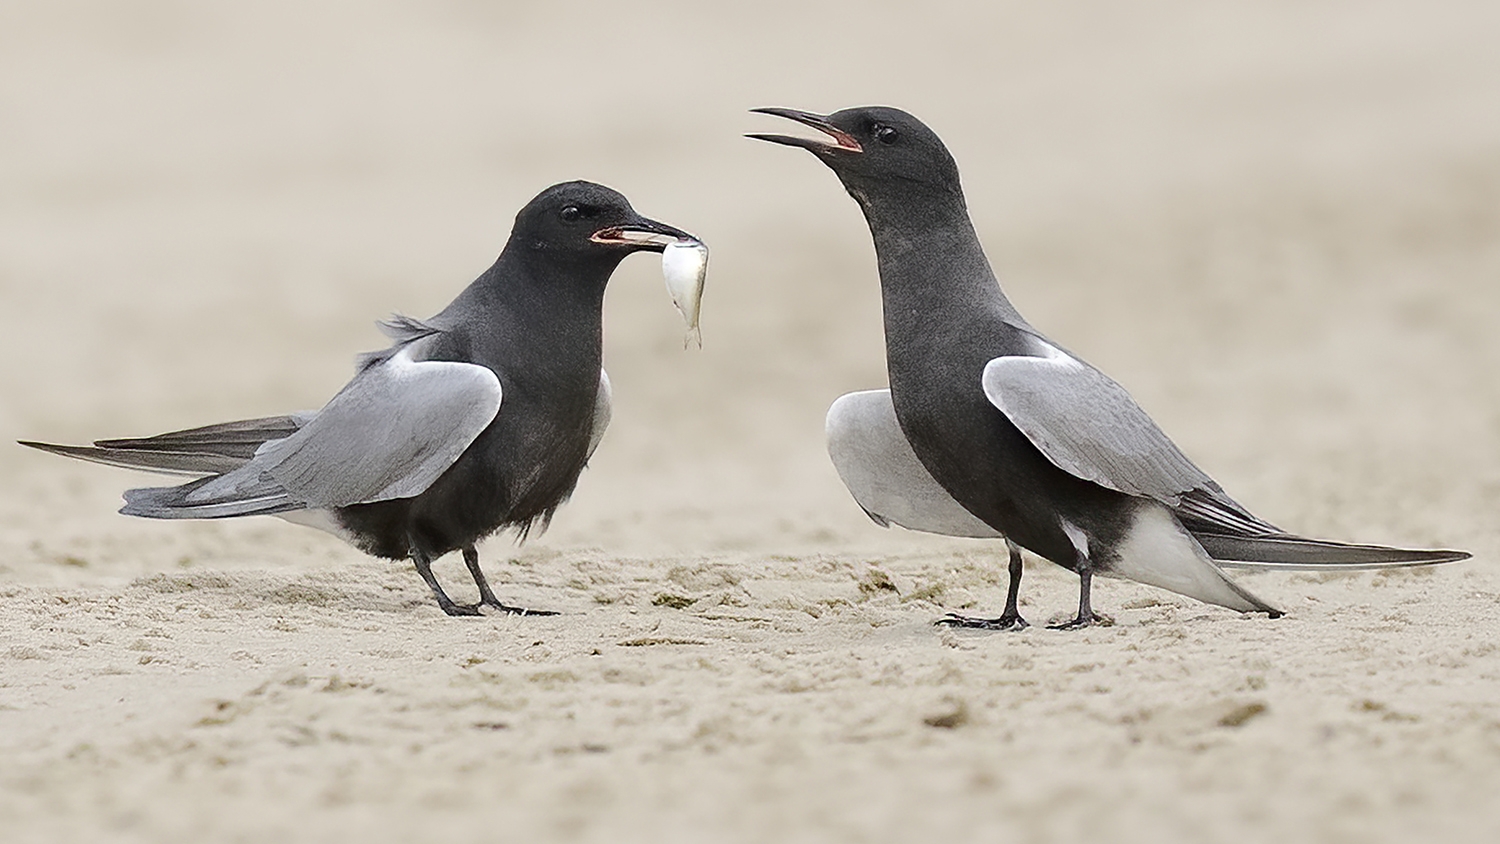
(50, 448)
(190, 463)
(237, 439)
(1285, 551)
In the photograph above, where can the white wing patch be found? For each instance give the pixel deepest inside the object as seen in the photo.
(877, 464)
(602, 413)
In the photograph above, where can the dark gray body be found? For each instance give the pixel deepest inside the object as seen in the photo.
(945, 318)
(477, 420)
(1041, 447)
(543, 340)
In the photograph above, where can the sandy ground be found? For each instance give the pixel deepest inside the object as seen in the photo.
(1278, 224)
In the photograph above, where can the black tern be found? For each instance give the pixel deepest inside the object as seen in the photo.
(476, 420)
(990, 429)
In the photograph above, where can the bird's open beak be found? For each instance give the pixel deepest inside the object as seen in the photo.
(841, 141)
(642, 235)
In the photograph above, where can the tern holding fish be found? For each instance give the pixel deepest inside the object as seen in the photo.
(476, 420)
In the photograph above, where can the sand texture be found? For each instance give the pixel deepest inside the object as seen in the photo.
(1277, 224)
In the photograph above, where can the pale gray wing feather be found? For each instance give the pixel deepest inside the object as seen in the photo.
(877, 464)
(602, 413)
(389, 434)
(1088, 426)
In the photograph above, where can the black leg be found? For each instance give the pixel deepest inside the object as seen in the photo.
(1013, 593)
(1086, 615)
(486, 595)
(1010, 619)
(471, 559)
(424, 568)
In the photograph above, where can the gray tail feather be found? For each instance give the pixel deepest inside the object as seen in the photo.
(1285, 551)
(164, 462)
(172, 503)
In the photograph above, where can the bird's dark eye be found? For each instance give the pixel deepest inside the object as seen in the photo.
(570, 213)
(886, 134)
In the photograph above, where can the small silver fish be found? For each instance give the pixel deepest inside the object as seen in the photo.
(685, 264)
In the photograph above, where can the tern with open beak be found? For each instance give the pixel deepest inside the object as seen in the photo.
(990, 429)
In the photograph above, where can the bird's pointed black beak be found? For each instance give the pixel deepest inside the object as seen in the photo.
(642, 235)
(840, 140)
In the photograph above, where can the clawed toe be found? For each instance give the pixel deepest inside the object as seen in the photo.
(1093, 619)
(493, 607)
(507, 609)
(1004, 622)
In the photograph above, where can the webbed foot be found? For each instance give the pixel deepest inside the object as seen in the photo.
(459, 609)
(1092, 619)
(1007, 621)
(507, 609)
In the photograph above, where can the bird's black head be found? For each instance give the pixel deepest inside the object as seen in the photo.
(876, 151)
(588, 223)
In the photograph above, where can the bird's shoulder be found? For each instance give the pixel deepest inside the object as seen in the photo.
(418, 339)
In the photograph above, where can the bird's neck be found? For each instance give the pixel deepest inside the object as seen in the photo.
(933, 271)
(545, 286)
(529, 309)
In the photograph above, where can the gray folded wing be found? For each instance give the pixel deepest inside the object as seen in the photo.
(1088, 426)
(389, 434)
(877, 464)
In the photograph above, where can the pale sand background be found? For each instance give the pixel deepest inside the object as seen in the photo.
(1277, 223)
